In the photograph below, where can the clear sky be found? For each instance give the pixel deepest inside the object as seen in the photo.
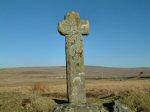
(119, 36)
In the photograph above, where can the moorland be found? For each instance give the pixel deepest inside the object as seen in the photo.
(40, 89)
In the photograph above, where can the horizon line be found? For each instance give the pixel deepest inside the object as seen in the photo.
(11, 67)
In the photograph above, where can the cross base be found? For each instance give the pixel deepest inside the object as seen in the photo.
(76, 108)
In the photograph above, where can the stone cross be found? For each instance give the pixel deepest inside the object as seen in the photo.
(73, 29)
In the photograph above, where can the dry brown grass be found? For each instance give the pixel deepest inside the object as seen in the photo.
(108, 87)
(40, 87)
(138, 101)
(136, 91)
(18, 102)
(96, 88)
(45, 85)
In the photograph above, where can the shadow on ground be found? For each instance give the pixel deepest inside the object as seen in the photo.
(109, 106)
(58, 101)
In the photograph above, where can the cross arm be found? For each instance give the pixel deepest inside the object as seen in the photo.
(85, 27)
(63, 28)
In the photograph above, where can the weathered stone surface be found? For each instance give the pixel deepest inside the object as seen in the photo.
(76, 108)
(118, 107)
(73, 28)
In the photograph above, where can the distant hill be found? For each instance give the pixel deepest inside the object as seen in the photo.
(91, 72)
(109, 72)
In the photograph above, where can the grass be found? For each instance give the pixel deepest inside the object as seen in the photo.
(38, 96)
(137, 101)
(18, 102)
(40, 87)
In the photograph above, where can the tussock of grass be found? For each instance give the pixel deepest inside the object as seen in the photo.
(138, 101)
(18, 102)
(40, 87)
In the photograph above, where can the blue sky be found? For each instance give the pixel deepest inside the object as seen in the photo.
(119, 36)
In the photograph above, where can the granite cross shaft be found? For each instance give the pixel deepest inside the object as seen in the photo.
(73, 29)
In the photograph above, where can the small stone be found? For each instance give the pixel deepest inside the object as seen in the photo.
(118, 107)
